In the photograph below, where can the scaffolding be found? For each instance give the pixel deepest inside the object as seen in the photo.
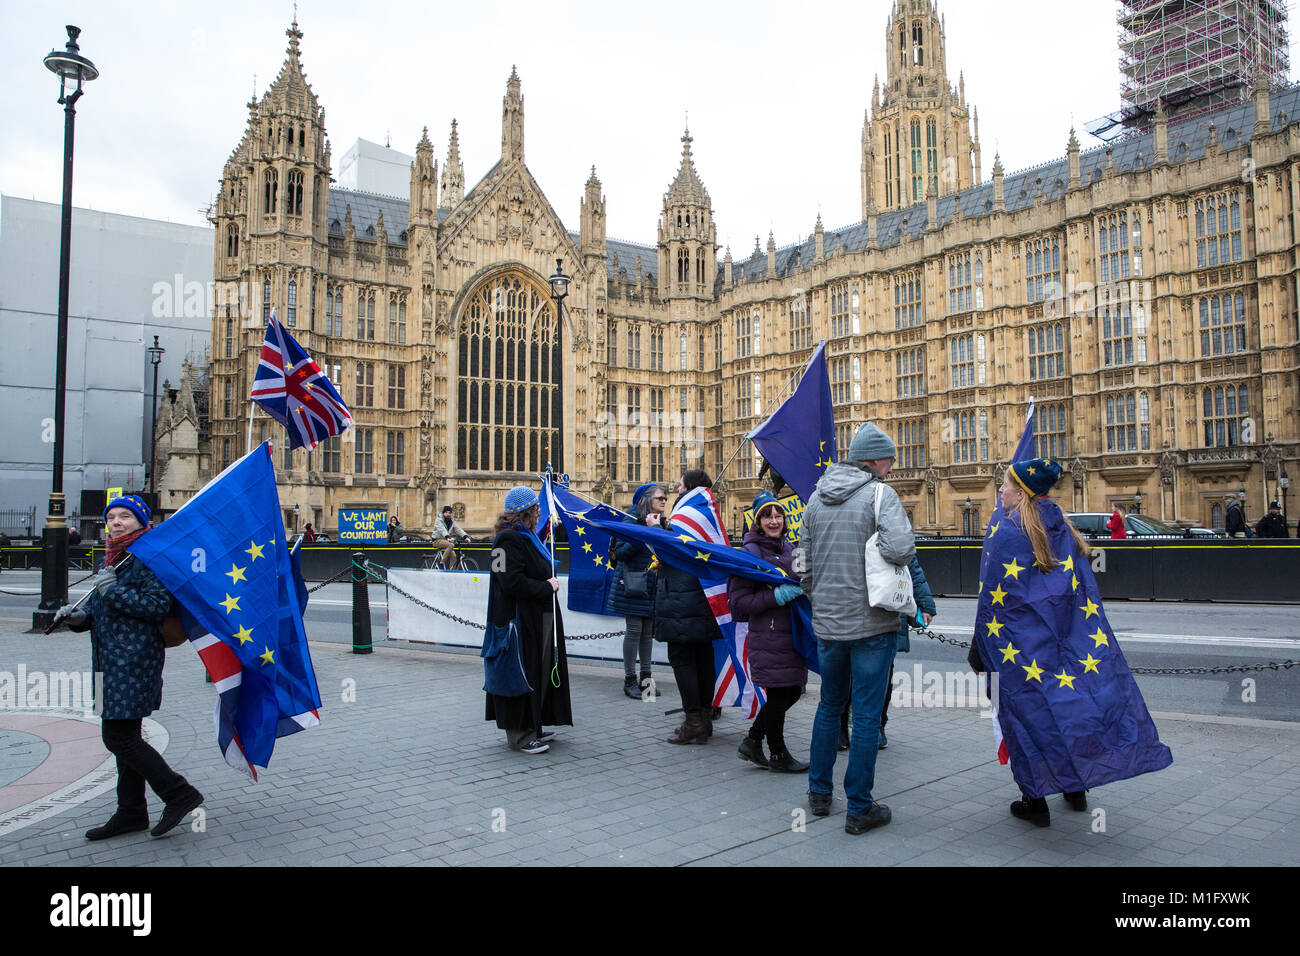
(1193, 56)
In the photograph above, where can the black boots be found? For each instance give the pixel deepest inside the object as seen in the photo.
(782, 762)
(752, 750)
(647, 683)
(118, 824)
(1032, 809)
(631, 688)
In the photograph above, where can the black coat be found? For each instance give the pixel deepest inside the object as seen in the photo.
(521, 591)
(632, 556)
(682, 612)
(1234, 520)
(1272, 526)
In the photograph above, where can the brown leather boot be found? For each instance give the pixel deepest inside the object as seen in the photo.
(706, 717)
(691, 732)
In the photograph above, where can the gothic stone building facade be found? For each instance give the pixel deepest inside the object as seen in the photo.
(1144, 295)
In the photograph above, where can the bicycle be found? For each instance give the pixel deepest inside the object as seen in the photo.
(460, 561)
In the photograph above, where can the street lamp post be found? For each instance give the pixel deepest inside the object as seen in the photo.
(1284, 483)
(559, 290)
(967, 530)
(155, 356)
(1137, 502)
(69, 65)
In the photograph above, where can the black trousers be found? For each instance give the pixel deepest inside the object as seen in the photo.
(692, 666)
(770, 721)
(138, 763)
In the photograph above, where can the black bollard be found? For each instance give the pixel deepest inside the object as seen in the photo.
(361, 642)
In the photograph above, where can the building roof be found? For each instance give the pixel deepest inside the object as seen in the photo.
(365, 214)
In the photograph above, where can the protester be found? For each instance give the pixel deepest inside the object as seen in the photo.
(855, 641)
(1234, 518)
(1116, 525)
(774, 664)
(1039, 612)
(1272, 525)
(683, 618)
(394, 528)
(633, 592)
(308, 533)
(125, 614)
(446, 533)
(524, 590)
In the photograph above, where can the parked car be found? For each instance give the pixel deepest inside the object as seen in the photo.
(1093, 525)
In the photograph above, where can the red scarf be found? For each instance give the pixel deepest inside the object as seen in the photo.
(116, 549)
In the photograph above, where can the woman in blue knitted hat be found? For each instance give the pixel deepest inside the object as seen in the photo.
(524, 590)
(125, 614)
(633, 592)
(1067, 714)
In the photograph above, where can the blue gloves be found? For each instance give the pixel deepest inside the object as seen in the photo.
(785, 593)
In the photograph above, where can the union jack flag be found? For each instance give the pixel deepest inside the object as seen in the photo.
(295, 392)
(697, 514)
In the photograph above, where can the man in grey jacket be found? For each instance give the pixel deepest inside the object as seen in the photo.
(855, 641)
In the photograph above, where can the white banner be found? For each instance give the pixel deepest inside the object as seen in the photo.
(464, 594)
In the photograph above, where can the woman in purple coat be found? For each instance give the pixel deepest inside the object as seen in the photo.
(774, 664)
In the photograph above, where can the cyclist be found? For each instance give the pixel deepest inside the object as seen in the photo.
(446, 531)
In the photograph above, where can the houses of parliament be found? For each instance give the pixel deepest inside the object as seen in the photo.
(1143, 294)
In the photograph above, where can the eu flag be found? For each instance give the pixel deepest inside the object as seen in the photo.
(591, 573)
(713, 564)
(1069, 712)
(799, 439)
(224, 558)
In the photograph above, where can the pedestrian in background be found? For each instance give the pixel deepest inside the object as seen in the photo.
(1234, 518)
(524, 590)
(1272, 525)
(774, 664)
(125, 614)
(1116, 525)
(634, 588)
(855, 641)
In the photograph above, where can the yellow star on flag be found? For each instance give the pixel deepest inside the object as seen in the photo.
(994, 626)
(267, 657)
(701, 556)
(1074, 582)
(1100, 637)
(1089, 609)
(1090, 664)
(236, 573)
(998, 595)
(1033, 671)
(783, 574)
(586, 547)
(600, 561)
(255, 550)
(684, 537)
(1009, 653)
(993, 528)
(230, 603)
(1068, 563)
(1066, 680)
(579, 529)
(1013, 570)
(244, 634)
(1030, 469)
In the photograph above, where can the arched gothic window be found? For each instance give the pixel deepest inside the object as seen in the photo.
(293, 195)
(270, 191)
(509, 371)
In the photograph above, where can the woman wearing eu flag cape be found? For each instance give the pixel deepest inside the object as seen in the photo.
(1068, 715)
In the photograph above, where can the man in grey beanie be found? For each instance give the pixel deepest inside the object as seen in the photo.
(855, 641)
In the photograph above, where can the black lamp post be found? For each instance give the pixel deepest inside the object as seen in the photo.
(967, 530)
(1137, 502)
(70, 66)
(1283, 484)
(155, 356)
(559, 290)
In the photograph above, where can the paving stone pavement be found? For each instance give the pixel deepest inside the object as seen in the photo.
(409, 774)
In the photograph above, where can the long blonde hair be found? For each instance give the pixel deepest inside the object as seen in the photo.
(1027, 511)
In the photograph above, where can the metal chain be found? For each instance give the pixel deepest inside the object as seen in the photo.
(1233, 669)
(35, 593)
(338, 577)
(478, 624)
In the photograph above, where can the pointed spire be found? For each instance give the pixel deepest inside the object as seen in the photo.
(686, 188)
(294, 35)
(999, 197)
(424, 142)
(512, 121)
(453, 173)
(1072, 151)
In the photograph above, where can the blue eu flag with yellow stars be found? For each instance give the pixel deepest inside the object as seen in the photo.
(591, 570)
(224, 558)
(1068, 714)
(799, 439)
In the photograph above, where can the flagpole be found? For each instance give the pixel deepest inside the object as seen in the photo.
(555, 595)
(595, 502)
(794, 378)
(248, 445)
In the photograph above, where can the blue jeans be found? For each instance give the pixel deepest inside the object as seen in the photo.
(863, 665)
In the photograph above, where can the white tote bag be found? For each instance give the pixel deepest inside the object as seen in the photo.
(889, 586)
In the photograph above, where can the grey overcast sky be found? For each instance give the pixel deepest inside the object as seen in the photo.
(775, 94)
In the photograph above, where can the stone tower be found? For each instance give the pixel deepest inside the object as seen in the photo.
(917, 134)
(688, 251)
